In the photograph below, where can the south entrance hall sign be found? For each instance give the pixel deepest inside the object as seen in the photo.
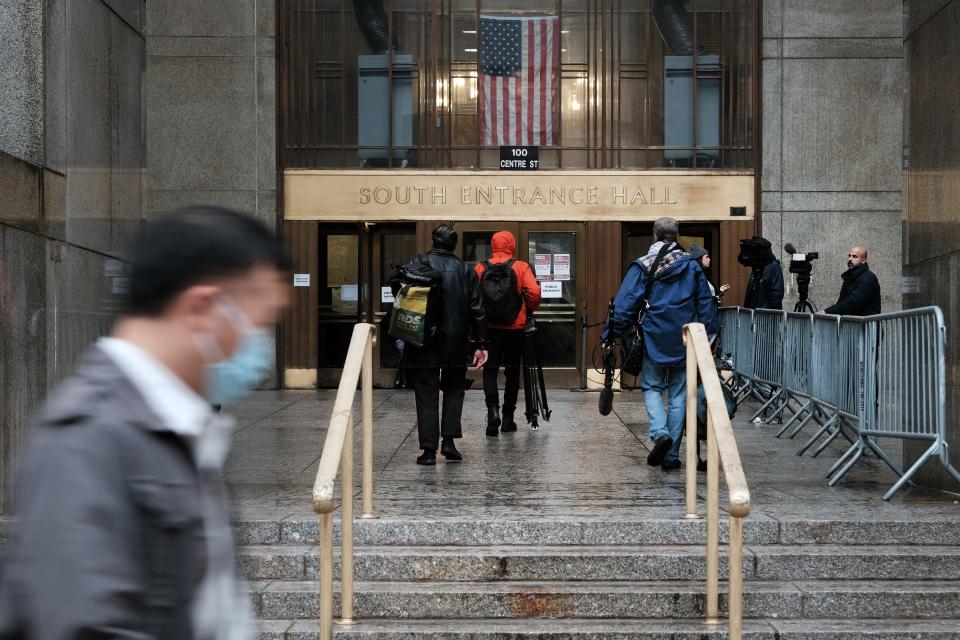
(493, 195)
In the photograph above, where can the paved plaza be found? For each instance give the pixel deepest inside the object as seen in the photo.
(579, 464)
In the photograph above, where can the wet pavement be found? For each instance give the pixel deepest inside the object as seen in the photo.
(578, 465)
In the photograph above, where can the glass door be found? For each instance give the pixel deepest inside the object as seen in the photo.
(338, 298)
(389, 245)
(553, 251)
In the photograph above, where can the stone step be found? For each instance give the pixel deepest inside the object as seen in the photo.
(667, 529)
(605, 563)
(824, 599)
(618, 629)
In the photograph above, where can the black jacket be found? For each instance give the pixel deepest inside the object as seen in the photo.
(463, 316)
(765, 289)
(859, 295)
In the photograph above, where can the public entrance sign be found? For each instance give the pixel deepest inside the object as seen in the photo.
(519, 158)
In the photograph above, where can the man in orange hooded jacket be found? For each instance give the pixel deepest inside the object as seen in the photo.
(506, 336)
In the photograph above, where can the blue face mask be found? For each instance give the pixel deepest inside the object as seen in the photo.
(239, 374)
(231, 378)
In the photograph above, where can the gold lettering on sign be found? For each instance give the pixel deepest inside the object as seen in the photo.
(490, 195)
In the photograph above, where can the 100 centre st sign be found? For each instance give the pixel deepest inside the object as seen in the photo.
(492, 195)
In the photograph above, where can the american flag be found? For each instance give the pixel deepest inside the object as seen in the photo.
(519, 77)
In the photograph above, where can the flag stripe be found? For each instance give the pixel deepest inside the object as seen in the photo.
(518, 80)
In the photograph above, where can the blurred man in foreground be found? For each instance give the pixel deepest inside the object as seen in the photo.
(123, 529)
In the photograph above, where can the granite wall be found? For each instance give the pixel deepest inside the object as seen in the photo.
(72, 177)
(931, 211)
(211, 105)
(832, 74)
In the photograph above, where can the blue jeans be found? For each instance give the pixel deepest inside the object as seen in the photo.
(654, 380)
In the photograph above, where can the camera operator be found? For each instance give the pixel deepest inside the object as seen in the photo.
(860, 293)
(765, 289)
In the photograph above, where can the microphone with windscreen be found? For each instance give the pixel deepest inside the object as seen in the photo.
(789, 248)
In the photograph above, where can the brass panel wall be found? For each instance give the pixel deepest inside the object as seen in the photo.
(932, 203)
(300, 324)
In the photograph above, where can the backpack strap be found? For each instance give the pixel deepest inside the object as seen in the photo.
(664, 250)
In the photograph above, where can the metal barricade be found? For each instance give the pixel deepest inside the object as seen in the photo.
(743, 356)
(864, 379)
(727, 320)
(797, 339)
(903, 393)
(767, 353)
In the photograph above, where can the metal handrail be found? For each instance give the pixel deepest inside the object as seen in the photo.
(338, 456)
(721, 450)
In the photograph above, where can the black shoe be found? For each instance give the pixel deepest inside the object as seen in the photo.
(428, 458)
(450, 452)
(660, 448)
(509, 425)
(669, 465)
(493, 421)
(702, 466)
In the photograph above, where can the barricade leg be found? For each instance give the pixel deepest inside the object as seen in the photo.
(846, 468)
(843, 459)
(905, 478)
(877, 449)
(766, 404)
(825, 428)
(786, 425)
(813, 415)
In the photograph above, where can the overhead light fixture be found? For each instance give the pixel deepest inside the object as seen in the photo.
(468, 31)
(470, 50)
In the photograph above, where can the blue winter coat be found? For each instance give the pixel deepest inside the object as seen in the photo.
(680, 294)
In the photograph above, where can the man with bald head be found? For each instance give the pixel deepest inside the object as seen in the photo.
(860, 293)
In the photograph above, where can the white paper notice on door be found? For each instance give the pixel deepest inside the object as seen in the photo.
(541, 266)
(301, 279)
(561, 266)
(552, 289)
(349, 293)
(386, 295)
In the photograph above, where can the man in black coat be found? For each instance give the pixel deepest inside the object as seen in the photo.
(765, 288)
(441, 365)
(860, 293)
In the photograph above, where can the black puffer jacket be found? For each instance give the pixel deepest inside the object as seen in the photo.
(765, 289)
(463, 317)
(859, 295)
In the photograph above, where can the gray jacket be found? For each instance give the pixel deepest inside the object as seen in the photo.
(109, 541)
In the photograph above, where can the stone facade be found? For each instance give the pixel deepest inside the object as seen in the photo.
(71, 175)
(831, 115)
(211, 105)
(931, 211)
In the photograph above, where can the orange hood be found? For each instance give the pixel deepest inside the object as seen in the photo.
(503, 244)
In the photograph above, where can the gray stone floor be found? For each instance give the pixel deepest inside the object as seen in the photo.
(579, 464)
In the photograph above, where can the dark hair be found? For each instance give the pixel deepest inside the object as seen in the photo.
(445, 237)
(194, 245)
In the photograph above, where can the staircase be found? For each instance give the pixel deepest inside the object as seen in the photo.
(488, 578)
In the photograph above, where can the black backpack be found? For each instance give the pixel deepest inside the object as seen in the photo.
(501, 295)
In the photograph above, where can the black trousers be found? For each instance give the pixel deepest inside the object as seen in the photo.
(504, 351)
(427, 384)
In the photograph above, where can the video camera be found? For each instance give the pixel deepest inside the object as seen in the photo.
(801, 265)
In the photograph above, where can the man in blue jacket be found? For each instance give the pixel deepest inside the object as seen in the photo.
(679, 294)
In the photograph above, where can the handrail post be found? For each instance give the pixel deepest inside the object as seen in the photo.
(735, 579)
(713, 524)
(346, 528)
(326, 576)
(691, 429)
(366, 437)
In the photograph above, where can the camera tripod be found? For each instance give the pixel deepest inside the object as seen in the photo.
(803, 289)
